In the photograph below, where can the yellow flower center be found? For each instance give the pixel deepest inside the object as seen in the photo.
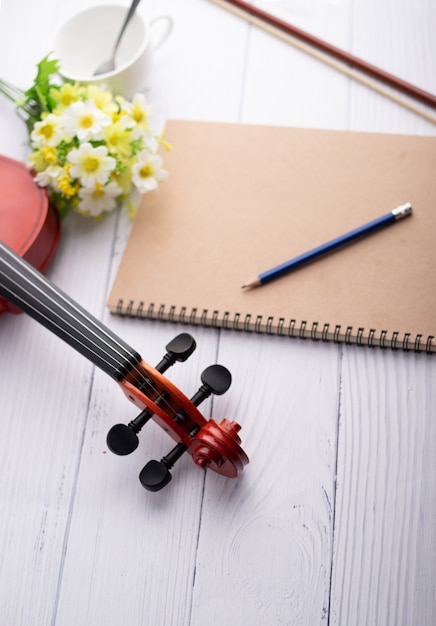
(65, 185)
(113, 135)
(86, 121)
(50, 155)
(100, 100)
(91, 164)
(67, 99)
(138, 115)
(98, 193)
(47, 131)
(146, 171)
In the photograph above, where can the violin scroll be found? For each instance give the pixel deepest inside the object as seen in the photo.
(212, 445)
(217, 446)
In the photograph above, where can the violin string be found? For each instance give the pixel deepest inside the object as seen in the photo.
(58, 326)
(86, 315)
(142, 376)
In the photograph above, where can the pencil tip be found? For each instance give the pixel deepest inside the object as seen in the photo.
(251, 283)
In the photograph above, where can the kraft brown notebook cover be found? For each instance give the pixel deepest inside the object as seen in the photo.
(241, 199)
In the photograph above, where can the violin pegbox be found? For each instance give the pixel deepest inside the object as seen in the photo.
(123, 439)
(211, 445)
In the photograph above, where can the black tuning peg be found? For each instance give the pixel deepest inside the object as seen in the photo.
(123, 439)
(179, 349)
(216, 379)
(155, 475)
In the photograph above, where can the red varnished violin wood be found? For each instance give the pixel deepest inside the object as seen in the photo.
(164, 415)
(215, 445)
(28, 224)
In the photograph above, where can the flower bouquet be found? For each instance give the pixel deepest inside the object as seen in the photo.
(92, 150)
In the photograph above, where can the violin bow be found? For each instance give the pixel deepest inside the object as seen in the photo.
(211, 445)
(335, 57)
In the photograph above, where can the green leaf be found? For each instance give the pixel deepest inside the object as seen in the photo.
(39, 91)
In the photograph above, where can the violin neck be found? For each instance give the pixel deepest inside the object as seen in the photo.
(34, 294)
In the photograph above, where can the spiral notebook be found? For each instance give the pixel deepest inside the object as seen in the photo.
(242, 198)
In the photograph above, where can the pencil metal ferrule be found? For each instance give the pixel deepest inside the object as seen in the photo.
(402, 211)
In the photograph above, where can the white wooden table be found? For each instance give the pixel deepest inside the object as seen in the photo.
(333, 521)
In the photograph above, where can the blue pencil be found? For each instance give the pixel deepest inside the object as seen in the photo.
(402, 211)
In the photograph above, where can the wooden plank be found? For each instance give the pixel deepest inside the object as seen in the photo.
(131, 553)
(385, 553)
(265, 541)
(45, 395)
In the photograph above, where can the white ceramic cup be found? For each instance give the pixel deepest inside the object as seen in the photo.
(87, 39)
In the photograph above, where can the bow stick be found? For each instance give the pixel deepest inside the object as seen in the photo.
(307, 42)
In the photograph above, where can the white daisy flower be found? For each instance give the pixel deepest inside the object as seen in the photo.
(49, 177)
(85, 121)
(91, 165)
(137, 114)
(147, 171)
(99, 199)
(47, 132)
(102, 99)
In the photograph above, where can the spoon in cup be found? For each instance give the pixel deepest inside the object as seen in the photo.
(109, 65)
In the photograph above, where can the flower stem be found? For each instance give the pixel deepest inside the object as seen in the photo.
(26, 110)
(11, 92)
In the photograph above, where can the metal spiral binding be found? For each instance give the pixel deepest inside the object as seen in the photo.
(247, 323)
(236, 321)
(280, 327)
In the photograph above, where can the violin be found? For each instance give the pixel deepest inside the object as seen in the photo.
(28, 223)
(211, 444)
